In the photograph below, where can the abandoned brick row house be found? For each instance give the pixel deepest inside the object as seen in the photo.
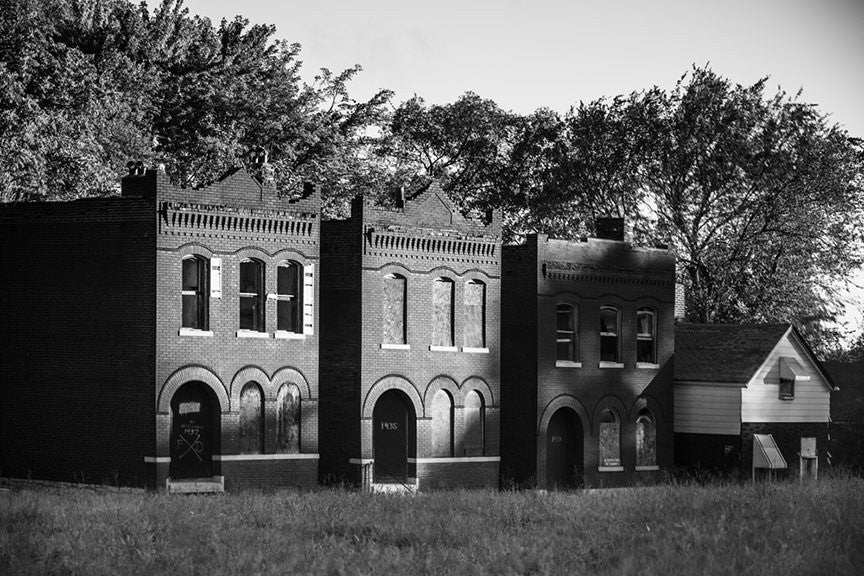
(226, 337)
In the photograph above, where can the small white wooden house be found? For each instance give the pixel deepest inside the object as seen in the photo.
(745, 389)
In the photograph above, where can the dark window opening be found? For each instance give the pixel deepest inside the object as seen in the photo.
(289, 298)
(195, 293)
(645, 336)
(609, 329)
(252, 298)
(566, 333)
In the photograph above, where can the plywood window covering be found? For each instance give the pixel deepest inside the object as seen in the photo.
(566, 333)
(289, 297)
(474, 414)
(251, 419)
(252, 295)
(288, 420)
(610, 438)
(394, 309)
(195, 293)
(442, 312)
(475, 314)
(442, 425)
(609, 330)
(646, 439)
(645, 336)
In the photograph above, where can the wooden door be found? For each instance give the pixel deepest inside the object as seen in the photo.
(191, 433)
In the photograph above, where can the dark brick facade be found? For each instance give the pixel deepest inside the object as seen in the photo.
(422, 241)
(586, 275)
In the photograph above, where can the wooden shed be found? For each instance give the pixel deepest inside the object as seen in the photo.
(734, 381)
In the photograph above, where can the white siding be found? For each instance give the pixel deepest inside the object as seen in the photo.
(706, 409)
(760, 401)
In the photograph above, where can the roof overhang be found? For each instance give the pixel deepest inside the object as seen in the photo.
(707, 383)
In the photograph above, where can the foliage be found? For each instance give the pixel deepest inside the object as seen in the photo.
(784, 527)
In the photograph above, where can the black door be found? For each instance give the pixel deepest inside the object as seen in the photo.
(191, 433)
(390, 437)
(564, 450)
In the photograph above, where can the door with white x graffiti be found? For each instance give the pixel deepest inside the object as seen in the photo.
(191, 432)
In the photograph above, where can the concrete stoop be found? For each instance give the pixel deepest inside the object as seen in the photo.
(214, 485)
(409, 487)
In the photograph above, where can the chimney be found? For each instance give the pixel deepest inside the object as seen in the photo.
(610, 228)
(680, 302)
(400, 197)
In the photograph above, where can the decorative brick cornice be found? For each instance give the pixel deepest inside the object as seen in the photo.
(399, 243)
(185, 219)
(557, 270)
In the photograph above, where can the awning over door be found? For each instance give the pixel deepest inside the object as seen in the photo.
(790, 369)
(766, 454)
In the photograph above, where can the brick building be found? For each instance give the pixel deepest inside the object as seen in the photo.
(588, 333)
(410, 345)
(162, 336)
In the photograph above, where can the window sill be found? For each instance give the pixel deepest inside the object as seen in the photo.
(443, 349)
(195, 332)
(567, 364)
(285, 335)
(395, 346)
(252, 334)
(611, 365)
(610, 469)
(647, 365)
(647, 468)
(469, 350)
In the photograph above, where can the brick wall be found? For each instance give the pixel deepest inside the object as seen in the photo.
(77, 325)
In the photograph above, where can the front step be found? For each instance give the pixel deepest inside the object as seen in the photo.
(410, 487)
(214, 485)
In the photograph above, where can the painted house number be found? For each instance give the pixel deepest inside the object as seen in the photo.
(389, 426)
(557, 439)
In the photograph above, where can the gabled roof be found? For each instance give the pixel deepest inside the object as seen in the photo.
(723, 352)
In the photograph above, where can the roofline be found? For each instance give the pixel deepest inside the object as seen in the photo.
(829, 381)
(709, 383)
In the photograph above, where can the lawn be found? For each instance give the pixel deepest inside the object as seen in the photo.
(780, 528)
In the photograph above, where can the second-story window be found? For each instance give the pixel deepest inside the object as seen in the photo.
(609, 330)
(289, 297)
(195, 293)
(442, 312)
(565, 350)
(475, 314)
(394, 309)
(645, 336)
(252, 295)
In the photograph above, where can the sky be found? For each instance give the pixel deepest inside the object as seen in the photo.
(528, 54)
(553, 53)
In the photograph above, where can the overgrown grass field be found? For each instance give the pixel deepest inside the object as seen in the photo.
(767, 528)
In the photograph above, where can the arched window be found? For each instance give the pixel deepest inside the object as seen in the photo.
(252, 300)
(288, 420)
(646, 349)
(195, 293)
(289, 297)
(394, 309)
(474, 413)
(442, 425)
(475, 314)
(610, 439)
(251, 419)
(442, 312)
(646, 439)
(566, 330)
(610, 328)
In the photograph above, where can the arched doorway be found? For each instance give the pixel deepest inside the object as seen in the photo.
(564, 445)
(194, 426)
(393, 436)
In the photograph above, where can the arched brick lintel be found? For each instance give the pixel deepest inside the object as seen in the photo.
(564, 401)
(608, 402)
(243, 377)
(392, 383)
(480, 385)
(646, 402)
(293, 376)
(190, 374)
(442, 383)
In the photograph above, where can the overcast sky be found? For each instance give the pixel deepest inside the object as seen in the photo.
(529, 54)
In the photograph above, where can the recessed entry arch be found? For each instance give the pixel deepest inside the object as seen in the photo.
(388, 383)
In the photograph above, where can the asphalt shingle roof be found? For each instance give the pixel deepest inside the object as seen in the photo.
(723, 352)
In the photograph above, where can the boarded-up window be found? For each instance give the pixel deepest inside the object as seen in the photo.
(252, 295)
(394, 309)
(288, 420)
(609, 329)
(251, 419)
(475, 314)
(195, 293)
(565, 333)
(610, 439)
(442, 312)
(646, 439)
(474, 415)
(645, 349)
(289, 297)
(442, 425)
